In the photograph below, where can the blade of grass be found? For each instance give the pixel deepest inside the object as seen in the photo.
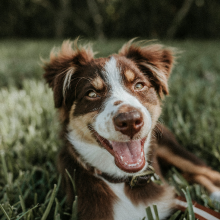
(72, 180)
(175, 215)
(5, 170)
(5, 213)
(22, 203)
(176, 185)
(56, 208)
(46, 213)
(185, 214)
(59, 182)
(57, 217)
(30, 215)
(189, 202)
(30, 210)
(156, 212)
(35, 198)
(184, 182)
(74, 209)
(149, 213)
(48, 196)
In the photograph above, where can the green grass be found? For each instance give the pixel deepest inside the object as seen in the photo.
(29, 126)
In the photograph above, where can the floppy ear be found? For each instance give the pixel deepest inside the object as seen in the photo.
(62, 66)
(154, 61)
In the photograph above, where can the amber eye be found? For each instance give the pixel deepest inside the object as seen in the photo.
(92, 94)
(139, 86)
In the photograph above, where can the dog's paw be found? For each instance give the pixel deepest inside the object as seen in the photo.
(215, 196)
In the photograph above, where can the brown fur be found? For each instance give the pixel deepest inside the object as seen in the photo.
(94, 202)
(149, 193)
(117, 102)
(170, 153)
(77, 122)
(160, 59)
(57, 68)
(81, 74)
(130, 76)
(125, 108)
(98, 83)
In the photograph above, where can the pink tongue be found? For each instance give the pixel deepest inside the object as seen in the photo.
(128, 153)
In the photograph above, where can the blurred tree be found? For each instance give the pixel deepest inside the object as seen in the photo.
(97, 18)
(110, 18)
(62, 15)
(180, 15)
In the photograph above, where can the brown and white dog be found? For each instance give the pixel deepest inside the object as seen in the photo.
(109, 110)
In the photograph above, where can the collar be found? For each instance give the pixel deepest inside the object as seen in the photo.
(136, 180)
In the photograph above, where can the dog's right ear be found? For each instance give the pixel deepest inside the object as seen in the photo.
(62, 66)
(154, 61)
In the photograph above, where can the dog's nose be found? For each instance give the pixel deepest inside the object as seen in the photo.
(129, 123)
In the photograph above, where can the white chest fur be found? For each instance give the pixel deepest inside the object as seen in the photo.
(125, 209)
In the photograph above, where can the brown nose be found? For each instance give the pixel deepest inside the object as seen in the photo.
(128, 123)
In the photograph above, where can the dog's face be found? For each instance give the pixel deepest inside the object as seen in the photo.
(110, 105)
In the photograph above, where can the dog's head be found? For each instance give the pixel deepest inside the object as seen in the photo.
(110, 105)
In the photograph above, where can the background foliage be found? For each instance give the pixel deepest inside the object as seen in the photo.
(110, 18)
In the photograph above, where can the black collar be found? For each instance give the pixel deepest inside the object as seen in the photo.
(136, 180)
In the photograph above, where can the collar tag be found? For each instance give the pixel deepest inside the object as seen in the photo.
(146, 175)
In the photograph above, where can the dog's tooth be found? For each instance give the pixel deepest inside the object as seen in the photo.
(133, 165)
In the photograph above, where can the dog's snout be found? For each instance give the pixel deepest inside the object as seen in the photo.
(129, 123)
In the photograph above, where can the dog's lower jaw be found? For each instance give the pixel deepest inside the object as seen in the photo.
(99, 158)
(129, 156)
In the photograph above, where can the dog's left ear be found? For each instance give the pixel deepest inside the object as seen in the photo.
(62, 67)
(154, 61)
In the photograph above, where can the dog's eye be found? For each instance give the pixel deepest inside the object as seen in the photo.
(139, 86)
(92, 94)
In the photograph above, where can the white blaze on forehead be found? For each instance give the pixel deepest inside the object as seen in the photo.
(116, 86)
(114, 80)
(113, 75)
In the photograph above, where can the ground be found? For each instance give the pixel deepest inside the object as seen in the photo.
(29, 127)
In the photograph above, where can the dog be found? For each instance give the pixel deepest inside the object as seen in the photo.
(112, 141)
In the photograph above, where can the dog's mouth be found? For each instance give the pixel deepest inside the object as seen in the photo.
(129, 156)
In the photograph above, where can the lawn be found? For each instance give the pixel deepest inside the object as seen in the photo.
(28, 124)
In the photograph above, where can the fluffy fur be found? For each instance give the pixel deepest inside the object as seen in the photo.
(109, 110)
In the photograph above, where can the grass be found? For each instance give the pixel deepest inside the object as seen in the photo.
(29, 182)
